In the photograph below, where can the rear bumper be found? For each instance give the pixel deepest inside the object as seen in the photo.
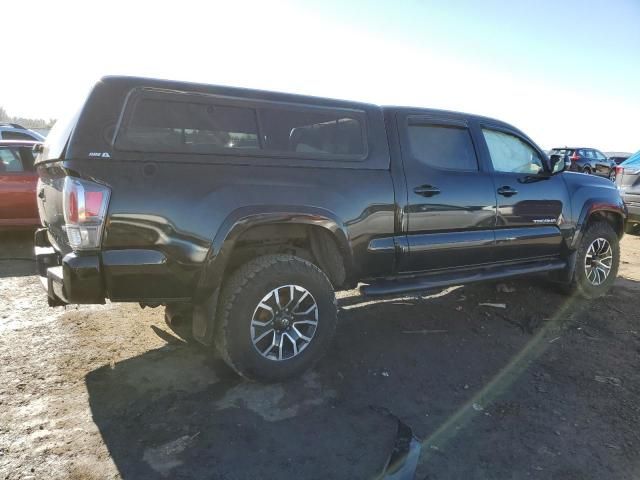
(71, 278)
(136, 275)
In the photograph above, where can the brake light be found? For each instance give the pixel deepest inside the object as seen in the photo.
(575, 157)
(619, 170)
(85, 206)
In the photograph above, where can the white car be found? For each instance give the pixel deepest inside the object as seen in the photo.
(13, 131)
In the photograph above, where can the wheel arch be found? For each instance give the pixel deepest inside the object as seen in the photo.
(614, 213)
(321, 226)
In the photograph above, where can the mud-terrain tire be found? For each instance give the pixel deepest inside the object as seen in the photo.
(248, 309)
(593, 242)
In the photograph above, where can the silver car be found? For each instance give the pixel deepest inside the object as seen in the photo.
(628, 182)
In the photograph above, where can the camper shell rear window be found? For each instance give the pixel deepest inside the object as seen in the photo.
(189, 123)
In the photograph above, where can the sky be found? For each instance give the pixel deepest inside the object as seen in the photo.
(564, 71)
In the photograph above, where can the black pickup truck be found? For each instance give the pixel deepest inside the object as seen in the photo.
(248, 209)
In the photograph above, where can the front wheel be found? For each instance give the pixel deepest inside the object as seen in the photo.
(597, 261)
(277, 317)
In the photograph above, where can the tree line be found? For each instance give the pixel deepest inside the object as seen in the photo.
(26, 122)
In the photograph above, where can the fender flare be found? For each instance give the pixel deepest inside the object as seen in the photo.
(595, 205)
(244, 218)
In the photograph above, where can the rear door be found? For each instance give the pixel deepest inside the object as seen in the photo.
(531, 208)
(17, 186)
(451, 200)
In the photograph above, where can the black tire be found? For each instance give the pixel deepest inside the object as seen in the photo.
(580, 283)
(240, 297)
(587, 170)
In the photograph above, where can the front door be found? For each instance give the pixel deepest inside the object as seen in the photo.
(532, 205)
(450, 212)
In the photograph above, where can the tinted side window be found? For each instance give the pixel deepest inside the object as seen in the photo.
(189, 127)
(443, 147)
(10, 161)
(9, 135)
(599, 155)
(511, 154)
(311, 131)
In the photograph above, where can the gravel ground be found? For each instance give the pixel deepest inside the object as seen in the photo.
(546, 388)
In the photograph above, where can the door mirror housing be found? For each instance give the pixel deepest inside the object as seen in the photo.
(556, 163)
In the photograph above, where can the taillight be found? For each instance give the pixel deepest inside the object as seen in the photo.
(85, 207)
(575, 157)
(619, 170)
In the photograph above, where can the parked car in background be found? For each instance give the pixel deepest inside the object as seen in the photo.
(18, 179)
(246, 210)
(628, 181)
(587, 160)
(618, 157)
(14, 131)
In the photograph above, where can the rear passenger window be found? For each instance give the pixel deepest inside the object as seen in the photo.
(311, 132)
(443, 147)
(189, 127)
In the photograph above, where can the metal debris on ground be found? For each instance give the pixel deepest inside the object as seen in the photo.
(494, 305)
(425, 332)
(610, 380)
(504, 288)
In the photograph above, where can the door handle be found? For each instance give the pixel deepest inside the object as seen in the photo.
(426, 190)
(507, 191)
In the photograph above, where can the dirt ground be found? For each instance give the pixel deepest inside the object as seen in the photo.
(546, 388)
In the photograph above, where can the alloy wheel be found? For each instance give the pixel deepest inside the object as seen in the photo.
(284, 322)
(598, 261)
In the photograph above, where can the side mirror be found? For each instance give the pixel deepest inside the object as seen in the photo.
(556, 163)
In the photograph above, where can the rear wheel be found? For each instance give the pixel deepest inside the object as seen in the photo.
(587, 170)
(597, 261)
(277, 317)
(612, 175)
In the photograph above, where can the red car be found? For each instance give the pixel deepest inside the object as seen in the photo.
(18, 206)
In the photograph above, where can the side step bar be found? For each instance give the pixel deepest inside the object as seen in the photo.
(439, 280)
